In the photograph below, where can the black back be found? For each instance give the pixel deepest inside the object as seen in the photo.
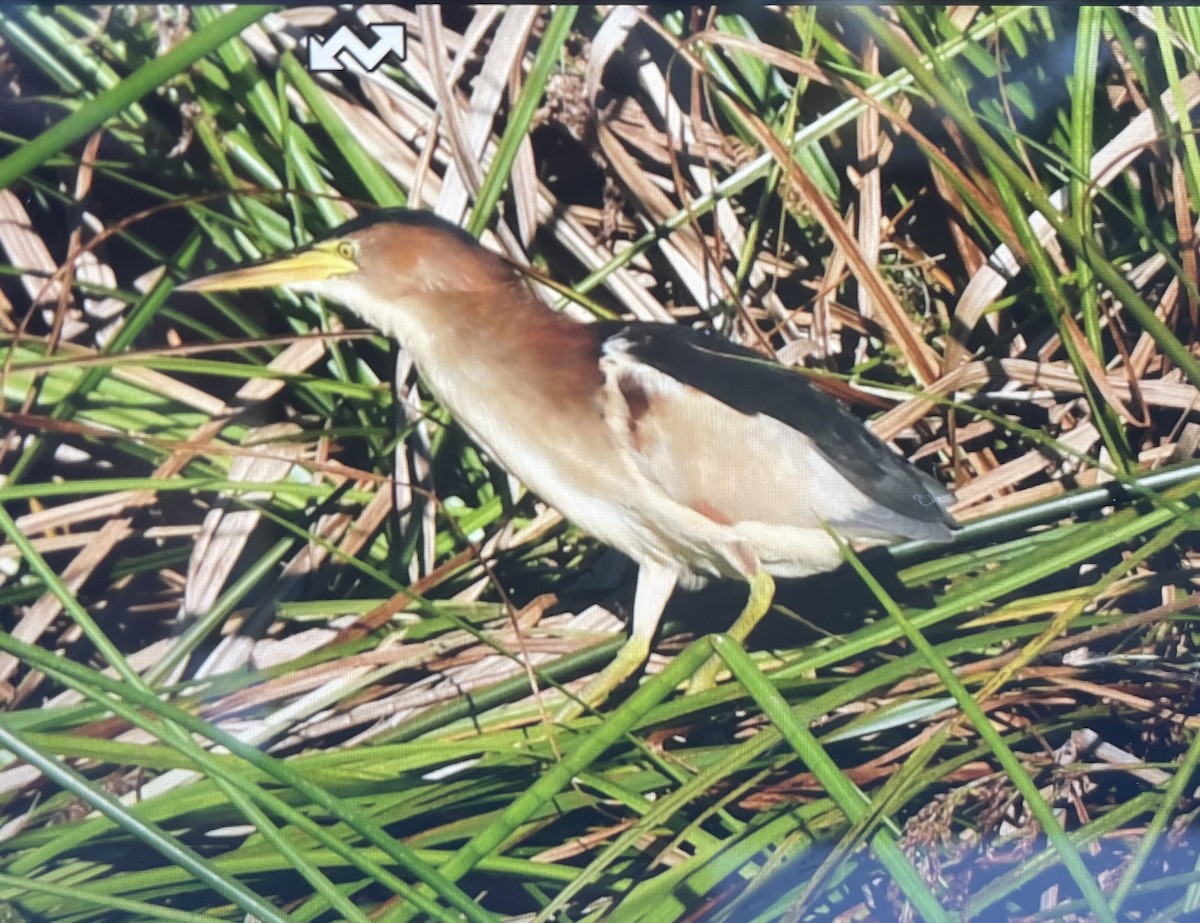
(752, 384)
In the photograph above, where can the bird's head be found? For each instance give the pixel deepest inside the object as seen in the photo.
(375, 261)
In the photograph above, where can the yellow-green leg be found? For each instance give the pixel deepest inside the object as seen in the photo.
(762, 594)
(654, 587)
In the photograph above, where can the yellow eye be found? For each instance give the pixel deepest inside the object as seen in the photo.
(345, 250)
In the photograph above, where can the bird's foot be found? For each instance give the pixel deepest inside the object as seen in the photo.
(629, 658)
(705, 679)
(762, 594)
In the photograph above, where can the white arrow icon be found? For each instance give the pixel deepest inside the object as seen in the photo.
(323, 56)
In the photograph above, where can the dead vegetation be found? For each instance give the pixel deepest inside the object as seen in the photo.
(215, 533)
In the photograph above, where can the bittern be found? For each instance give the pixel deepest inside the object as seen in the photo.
(695, 457)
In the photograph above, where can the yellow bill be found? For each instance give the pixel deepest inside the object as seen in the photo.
(324, 261)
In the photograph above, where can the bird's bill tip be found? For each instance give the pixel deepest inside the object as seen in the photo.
(307, 266)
